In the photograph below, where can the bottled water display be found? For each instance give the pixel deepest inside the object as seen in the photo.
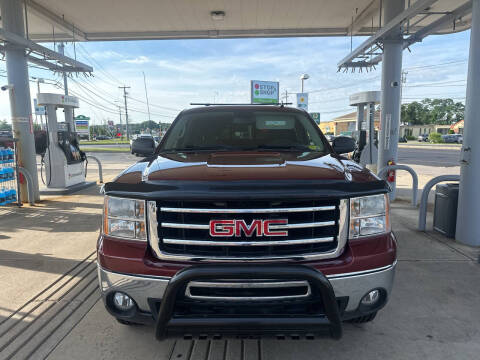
(8, 183)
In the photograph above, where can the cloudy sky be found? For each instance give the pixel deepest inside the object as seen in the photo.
(182, 71)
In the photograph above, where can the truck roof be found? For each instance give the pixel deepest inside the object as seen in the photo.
(270, 108)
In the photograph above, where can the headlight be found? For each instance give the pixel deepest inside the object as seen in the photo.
(369, 215)
(124, 218)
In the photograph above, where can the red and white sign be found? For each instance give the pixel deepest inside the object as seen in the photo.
(238, 228)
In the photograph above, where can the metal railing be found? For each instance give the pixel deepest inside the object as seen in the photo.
(100, 170)
(422, 213)
(412, 172)
(28, 177)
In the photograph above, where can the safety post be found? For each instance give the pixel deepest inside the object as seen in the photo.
(412, 172)
(100, 170)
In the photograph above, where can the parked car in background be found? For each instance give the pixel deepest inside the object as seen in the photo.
(453, 138)
(6, 139)
(143, 145)
(103, 137)
(423, 137)
(402, 139)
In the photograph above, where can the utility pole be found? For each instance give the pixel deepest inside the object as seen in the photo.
(68, 110)
(126, 108)
(146, 96)
(286, 96)
(120, 114)
(40, 81)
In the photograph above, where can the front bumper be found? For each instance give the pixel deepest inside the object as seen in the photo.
(143, 289)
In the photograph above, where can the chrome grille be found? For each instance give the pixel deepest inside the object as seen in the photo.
(180, 229)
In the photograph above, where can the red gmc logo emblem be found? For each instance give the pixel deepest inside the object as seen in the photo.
(237, 228)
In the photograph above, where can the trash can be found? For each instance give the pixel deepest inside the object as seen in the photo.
(445, 212)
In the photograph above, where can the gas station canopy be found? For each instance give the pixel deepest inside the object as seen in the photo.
(105, 20)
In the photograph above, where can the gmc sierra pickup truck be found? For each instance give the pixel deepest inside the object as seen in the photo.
(246, 221)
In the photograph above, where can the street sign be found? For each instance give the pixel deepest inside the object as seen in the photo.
(39, 110)
(264, 92)
(316, 117)
(82, 117)
(302, 101)
(82, 125)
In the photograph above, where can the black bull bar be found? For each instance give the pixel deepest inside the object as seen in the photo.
(167, 324)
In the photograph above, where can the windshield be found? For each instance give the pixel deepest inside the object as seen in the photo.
(243, 130)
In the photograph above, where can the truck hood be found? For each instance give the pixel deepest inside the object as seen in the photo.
(192, 175)
(233, 166)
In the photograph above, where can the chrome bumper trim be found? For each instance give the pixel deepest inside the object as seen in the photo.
(248, 285)
(364, 272)
(354, 285)
(139, 288)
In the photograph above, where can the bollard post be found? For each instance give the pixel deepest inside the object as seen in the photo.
(412, 172)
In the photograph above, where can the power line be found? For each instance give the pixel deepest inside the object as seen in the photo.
(436, 65)
(336, 111)
(154, 105)
(343, 86)
(435, 98)
(83, 87)
(100, 67)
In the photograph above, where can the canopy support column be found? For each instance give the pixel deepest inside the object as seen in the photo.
(391, 76)
(20, 103)
(468, 230)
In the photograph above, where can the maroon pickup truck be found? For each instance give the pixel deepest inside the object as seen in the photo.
(246, 221)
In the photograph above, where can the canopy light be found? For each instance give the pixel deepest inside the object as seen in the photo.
(218, 15)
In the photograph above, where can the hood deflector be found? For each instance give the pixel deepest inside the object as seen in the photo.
(246, 190)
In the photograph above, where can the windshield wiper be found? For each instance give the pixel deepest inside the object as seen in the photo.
(199, 148)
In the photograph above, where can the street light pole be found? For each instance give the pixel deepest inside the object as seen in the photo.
(40, 80)
(303, 78)
(126, 108)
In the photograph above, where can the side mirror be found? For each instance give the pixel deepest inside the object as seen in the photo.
(344, 144)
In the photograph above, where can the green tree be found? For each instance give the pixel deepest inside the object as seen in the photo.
(433, 111)
(4, 125)
(412, 113)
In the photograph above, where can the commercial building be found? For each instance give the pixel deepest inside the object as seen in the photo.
(345, 124)
(417, 130)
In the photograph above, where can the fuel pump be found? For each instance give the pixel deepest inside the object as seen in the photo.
(367, 151)
(64, 161)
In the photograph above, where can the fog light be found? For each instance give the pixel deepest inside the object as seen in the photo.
(371, 298)
(122, 301)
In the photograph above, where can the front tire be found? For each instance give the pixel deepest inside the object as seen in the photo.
(363, 319)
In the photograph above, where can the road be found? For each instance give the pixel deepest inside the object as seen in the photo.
(409, 156)
(429, 156)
